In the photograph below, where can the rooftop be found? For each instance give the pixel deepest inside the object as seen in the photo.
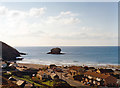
(106, 70)
(94, 74)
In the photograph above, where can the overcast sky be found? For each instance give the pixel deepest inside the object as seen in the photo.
(59, 24)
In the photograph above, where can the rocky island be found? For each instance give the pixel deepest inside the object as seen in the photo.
(55, 51)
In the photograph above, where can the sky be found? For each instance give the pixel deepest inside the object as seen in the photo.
(59, 23)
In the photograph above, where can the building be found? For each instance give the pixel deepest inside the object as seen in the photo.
(54, 76)
(13, 64)
(52, 66)
(58, 69)
(21, 68)
(43, 75)
(21, 83)
(105, 71)
(28, 85)
(98, 79)
(75, 70)
(12, 79)
(4, 65)
(78, 77)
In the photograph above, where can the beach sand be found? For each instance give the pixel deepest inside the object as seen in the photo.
(37, 66)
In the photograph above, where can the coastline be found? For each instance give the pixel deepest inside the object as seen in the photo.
(37, 66)
(65, 63)
(29, 65)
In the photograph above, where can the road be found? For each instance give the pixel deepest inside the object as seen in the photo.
(71, 81)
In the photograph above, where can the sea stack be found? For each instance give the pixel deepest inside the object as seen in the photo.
(55, 51)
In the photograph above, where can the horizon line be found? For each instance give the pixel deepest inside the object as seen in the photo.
(72, 46)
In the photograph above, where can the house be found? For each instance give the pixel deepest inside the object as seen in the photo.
(28, 85)
(105, 71)
(54, 76)
(8, 72)
(21, 68)
(98, 79)
(50, 71)
(12, 79)
(52, 66)
(13, 65)
(91, 69)
(75, 67)
(78, 77)
(118, 82)
(86, 67)
(21, 83)
(4, 65)
(43, 75)
(75, 70)
(58, 69)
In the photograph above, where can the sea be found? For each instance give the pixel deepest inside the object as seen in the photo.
(74, 55)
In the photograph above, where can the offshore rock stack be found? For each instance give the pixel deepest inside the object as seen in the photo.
(55, 51)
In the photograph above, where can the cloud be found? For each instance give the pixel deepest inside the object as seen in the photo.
(64, 18)
(86, 36)
(3, 10)
(31, 22)
(37, 11)
(68, 13)
(17, 22)
(36, 25)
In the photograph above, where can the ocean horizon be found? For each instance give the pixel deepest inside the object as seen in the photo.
(74, 55)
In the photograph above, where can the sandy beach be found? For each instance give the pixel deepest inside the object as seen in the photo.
(28, 65)
(37, 66)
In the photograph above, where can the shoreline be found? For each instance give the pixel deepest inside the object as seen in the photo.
(37, 66)
(69, 63)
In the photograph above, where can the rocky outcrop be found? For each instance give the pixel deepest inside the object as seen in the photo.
(23, 53)
(55, 51)
(8, 53)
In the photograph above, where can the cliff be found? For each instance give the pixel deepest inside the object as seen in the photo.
(8, 53)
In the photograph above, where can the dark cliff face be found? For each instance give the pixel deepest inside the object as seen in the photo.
(7, 52)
